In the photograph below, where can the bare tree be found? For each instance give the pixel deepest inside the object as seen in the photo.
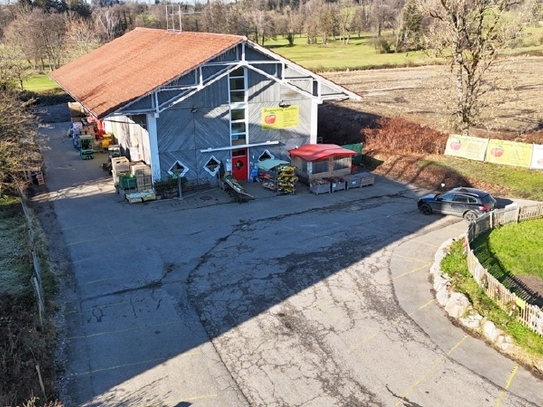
(346, 18)
(384, 14)
(41, 37)
(80, 38)
(13, 64)
(48, 31)
(106, 23)
(215, 17)
(18, 148)
(289, 24)
(471, 34)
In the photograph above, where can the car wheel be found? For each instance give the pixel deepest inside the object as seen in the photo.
(470, 216)
(425, 209)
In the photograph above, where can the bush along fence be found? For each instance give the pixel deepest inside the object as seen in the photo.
(35, 280)
(513, 302)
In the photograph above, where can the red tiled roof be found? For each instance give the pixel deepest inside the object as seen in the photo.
(314, 152)
(135, 64)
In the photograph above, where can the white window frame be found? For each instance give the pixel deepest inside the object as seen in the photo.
(186, 169)
(239, 106)
(214, 172)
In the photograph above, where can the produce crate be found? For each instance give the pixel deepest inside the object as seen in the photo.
(336, 184)
(144, 183)
(120, 164)
(366, 179)
(140, 169)
(116, 175)
(352, 181)
(127, 182)
(320, 187)
(361, 179)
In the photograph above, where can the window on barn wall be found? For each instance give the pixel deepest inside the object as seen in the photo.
(320, 166)
(178, 169)
(212, 166)
(238, 106)
(341, 163)
(266, 155)
(140, 119)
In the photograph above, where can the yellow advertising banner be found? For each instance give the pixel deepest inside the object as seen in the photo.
(537, 157)
(509, 153)
(274, 118)
(473, 148)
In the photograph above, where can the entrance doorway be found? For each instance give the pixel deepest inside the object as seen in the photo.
(240, 169)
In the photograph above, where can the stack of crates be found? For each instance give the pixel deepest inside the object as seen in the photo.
(119, 167)
(142, 173)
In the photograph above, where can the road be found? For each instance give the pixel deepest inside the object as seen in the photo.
(298, 300)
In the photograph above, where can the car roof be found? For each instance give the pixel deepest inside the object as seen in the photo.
(470, 191)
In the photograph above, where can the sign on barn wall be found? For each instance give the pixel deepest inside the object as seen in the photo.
(274, 118)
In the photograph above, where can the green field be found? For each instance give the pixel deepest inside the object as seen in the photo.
(360, 53)
(512, 249)
(41, 84)
(523, 182)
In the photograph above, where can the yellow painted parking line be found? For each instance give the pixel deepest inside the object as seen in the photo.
(427, 244)
(424, 266)
(502, 393)
(122, 330)
(410, 258)
(105, 369)
(427, 373)
(392, 324)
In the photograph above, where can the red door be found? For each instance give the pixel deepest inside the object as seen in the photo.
(240, 169)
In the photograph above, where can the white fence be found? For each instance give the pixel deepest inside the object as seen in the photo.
(35, 280)
(513, 302)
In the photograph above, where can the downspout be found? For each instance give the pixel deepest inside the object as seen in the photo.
(314, 121)
(153, 143)
(315, 102)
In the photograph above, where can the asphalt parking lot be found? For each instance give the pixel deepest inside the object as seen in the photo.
(298, 300)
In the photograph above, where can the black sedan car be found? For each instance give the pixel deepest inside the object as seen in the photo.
(470, 203)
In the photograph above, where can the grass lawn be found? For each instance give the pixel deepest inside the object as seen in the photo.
(360, 53)
(41, 84)
(522, 182)
(512, 249)
(455, 266)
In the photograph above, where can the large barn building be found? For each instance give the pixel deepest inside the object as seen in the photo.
(185, 102)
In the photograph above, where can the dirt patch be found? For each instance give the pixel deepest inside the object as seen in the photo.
(421, 94)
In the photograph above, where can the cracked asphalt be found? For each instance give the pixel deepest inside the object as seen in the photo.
(299, 300)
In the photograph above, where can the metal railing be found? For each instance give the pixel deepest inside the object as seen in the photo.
(516, 302)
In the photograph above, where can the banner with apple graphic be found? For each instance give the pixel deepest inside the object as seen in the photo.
(473, 148)
(537, 157)
(274, 118)
(509, 153)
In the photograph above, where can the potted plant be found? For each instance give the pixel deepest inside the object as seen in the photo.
(166, 189)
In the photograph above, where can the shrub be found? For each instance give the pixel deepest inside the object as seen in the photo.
(397, 135)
